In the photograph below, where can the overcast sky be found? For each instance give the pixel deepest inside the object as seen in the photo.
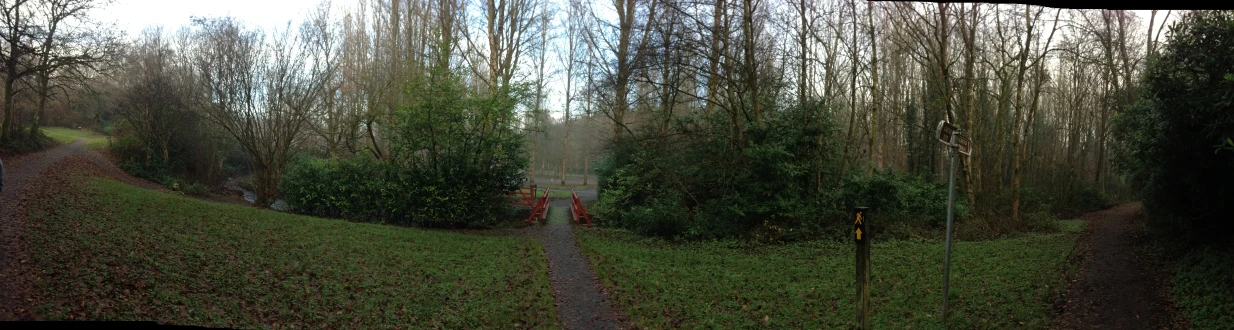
(132, 16)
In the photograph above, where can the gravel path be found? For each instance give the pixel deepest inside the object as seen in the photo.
(15, 282)
(1116, 287)
(581, 304)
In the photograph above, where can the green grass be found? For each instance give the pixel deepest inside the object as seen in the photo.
(1201, 285)
(68, 135)
(1071, 226)
(997, 284)
(555, 193)
(553, 185)
(109, 251)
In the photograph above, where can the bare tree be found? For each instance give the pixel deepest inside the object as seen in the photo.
(334, 124)
(151, 99)
(18, 35)
(262, 94)
(574, 25)
(67, 47)
(628, 50)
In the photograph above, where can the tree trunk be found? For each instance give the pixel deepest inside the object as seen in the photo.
(751, 64)
(803, 77)
(874, 96)
(42, 104)
(1015, 132)
(9, 94)
(968, 30)
(852, 97)
(373, 139)
(717, 51)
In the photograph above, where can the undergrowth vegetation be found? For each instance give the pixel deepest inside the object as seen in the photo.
(446, 167)
(700, 184)
(779, 186)
(1201, 285)
(189, 162)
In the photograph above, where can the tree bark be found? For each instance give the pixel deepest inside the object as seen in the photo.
(968, 29)
(852, 96)
(874, 91)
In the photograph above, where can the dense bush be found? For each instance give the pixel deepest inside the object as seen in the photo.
(185, 170)
(1169, 141)
(895, 197)
(1088, 198)
(367, 190)
(779, 183)
(451, 163)
(997, 203)
(138, 160)
(698, 184)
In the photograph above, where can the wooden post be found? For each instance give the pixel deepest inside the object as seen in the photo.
(861, 234)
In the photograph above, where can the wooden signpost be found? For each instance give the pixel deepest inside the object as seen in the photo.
(861, 235)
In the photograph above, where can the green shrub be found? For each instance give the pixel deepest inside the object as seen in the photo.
(778, 182)
(701, 184)
(904, 198)
(139, 161)
(197, 189)
(453, 157)
(366, 190)
(1168, 143)
(1088, 198)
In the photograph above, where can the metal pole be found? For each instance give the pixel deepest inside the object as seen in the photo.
(950, 206)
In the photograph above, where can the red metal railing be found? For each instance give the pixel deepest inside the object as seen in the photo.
(540, 209)
(576, 209)
(525, 196)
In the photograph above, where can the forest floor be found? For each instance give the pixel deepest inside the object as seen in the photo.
(1117, 286)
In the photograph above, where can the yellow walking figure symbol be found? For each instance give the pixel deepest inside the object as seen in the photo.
(859, 224)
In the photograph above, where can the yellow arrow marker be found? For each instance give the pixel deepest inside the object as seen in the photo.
(858, 219)
(858, 234)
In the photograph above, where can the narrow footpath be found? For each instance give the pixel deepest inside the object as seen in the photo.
(1117, 286)
(581, 304)
(15, 281)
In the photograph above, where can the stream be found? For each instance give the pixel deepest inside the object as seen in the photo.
(251, 197)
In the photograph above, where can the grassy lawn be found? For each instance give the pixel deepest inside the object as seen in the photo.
(555, 186)
(109, 251)
(999, 284)
(555, 193)
(68, 135)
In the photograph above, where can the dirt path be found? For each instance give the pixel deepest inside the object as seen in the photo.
(581, 304)
(15, 282)
(1117, 286)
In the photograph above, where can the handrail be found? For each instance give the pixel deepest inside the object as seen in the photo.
(576, 209)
